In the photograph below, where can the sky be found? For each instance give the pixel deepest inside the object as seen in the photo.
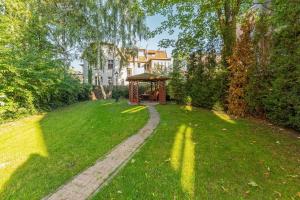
(152, 22)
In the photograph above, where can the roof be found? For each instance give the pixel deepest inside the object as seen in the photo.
(157, 54)
(159, 59)
(150, 55)
(147, 77)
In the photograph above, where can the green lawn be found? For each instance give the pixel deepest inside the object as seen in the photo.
(40, 153)
(200, 154)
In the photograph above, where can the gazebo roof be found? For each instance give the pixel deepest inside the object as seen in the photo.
(147, 77)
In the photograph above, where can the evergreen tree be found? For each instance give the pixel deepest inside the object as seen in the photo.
(283, 99)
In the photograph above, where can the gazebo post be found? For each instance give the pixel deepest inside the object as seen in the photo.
(136, 92)
(133, 91)
(130, 92)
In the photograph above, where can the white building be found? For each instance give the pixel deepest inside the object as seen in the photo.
(150, 61)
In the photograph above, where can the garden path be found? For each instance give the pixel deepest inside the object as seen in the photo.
(92, 179)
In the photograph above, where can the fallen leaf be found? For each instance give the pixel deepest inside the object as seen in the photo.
(277, 142)
(225, 189)
(119, 191)
(247, 193)
(278, 193)
(253, 184)
(267, 174)
(132, 161)
(224, 129)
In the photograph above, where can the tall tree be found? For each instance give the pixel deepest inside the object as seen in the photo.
(241, 62)
(283, 98)
(198, 19)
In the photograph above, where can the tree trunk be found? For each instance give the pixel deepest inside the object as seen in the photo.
(99, 66)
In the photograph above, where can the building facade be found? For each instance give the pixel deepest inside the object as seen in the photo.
(113, 72)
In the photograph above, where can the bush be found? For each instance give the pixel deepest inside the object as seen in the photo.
(120, 91)
(21, 95)
(16, 99)
(188, 100)
(205, 80)
(85, 92)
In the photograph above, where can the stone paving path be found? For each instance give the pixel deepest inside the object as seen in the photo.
(85, 184)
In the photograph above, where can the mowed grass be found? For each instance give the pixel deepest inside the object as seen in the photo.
(40, 153)
(199, 154)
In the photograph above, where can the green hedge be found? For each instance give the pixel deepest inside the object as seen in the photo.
(23, 93)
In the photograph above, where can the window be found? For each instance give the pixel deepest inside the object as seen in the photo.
(109, 80)
(96, 80)
(110, 64)
(139, 65)
(147, 67)
(129, 72)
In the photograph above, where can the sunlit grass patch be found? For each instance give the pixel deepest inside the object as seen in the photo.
(176, 154)
(188, 164)
(17, 142)
(134, 109)
(222, 115)
(187, 108)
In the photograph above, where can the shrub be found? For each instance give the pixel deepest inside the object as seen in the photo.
(85, 92)
(16, 99)
(23, 95)
(205, 80)
(188, 100)
(121, 91)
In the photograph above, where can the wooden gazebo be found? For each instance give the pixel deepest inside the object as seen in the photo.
(158, 83)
